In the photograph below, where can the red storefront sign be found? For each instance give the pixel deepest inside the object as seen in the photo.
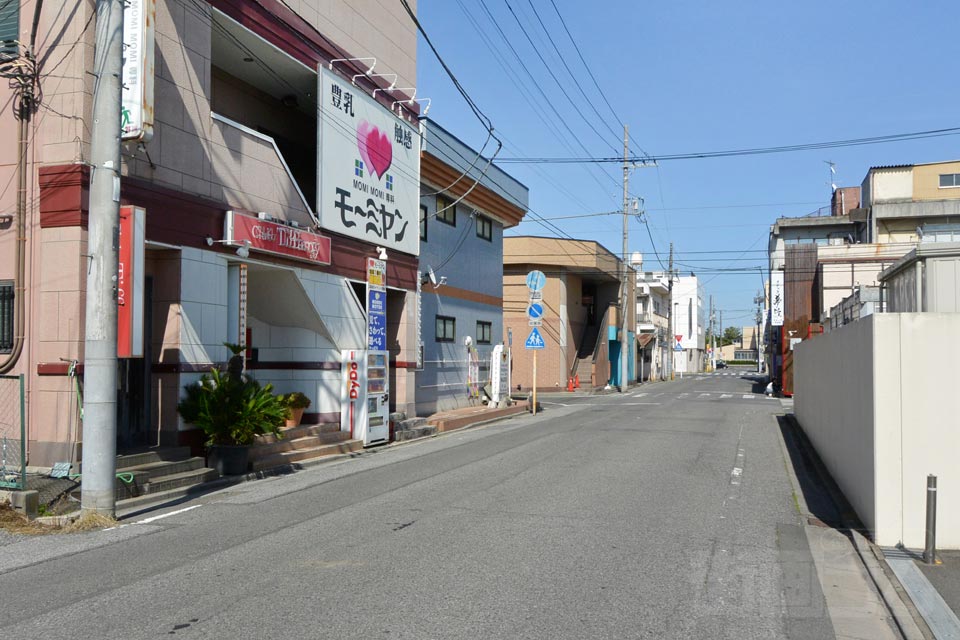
(130, 272)
(278, 239)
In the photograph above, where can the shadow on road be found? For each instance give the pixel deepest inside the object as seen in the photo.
(824, 499)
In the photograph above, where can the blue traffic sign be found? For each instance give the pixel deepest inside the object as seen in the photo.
(535, 310)
(535, 340)
(536, 280)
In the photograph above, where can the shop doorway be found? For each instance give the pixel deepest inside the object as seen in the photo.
(134, 389)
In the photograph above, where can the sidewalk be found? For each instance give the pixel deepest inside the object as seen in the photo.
(933, 589)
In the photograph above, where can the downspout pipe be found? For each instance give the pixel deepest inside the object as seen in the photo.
(24, 112)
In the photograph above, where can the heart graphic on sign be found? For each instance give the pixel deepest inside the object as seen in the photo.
(375, 147)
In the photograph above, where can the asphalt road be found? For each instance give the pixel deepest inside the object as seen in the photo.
(663, 513)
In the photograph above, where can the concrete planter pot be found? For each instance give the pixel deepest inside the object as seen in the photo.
(229, 459)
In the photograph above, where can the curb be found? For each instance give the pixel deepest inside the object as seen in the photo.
(909, 623)
(175, 496)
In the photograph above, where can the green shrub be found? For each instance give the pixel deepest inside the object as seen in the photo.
(232, 410)
(295, 400)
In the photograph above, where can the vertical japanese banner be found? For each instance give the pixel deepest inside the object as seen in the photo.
(368, 167)
(130, 283)
(376, 304)
(139, 18)
(776, 299)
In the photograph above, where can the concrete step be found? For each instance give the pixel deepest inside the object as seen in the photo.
(299, 455)
(425, 431)
(301, 431)
(130, 506)
(410, 423)
(164, 468)
(264, 449)
(178, 480)
(153, 455)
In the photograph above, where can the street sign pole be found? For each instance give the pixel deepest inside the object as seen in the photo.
(535, 382)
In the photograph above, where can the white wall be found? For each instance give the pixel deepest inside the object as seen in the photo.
(878, 400)
(895, 184)
(203, 306)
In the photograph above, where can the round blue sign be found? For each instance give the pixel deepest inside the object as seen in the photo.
(535, 310)
(536, 280)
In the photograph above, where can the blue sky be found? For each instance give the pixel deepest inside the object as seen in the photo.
(690, 77)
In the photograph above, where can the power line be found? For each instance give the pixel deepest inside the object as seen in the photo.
(589, 72)
(536, 85)
(852, 142)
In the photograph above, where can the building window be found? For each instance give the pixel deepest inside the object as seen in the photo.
(6, 316)
(484, 228)
(949, 180)
(446, 329)
(484, 332)
(423, 222)
(446, 211)
(940, 232)
(9, 30)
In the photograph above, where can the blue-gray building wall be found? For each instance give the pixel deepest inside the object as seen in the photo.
(476, 266)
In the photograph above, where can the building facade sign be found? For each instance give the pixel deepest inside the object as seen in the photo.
(136, 114)
(130, 278)
(376, 304)
(279, 239)
(776, 299)
(368, 167)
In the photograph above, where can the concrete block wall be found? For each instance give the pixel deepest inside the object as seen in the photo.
(878, 400)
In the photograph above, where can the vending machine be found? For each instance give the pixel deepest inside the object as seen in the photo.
(365, 395)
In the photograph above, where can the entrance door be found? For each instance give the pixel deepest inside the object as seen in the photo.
(133, 395)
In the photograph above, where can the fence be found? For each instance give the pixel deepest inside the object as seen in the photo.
(13, 434)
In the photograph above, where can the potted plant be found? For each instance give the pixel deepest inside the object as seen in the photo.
(296, 403)
(231, 409)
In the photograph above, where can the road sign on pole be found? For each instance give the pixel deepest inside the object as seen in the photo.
(534, 340)
(535, 311)
(536, 280)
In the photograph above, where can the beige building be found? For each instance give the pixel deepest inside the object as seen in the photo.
(907, 204)
(654, 338)
(234, 136)
(581, 301)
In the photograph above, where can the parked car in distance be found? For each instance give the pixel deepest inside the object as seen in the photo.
(721, 364)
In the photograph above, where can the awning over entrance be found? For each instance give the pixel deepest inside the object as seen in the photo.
(277, 297)
(644, 339)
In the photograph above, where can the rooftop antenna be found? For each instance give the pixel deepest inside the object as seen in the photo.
(833, 174)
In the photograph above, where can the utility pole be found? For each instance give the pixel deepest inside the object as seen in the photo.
(721, 329)
(100, 344)
(713, 341)
(624, 364)
(670, 311)
(759, 300)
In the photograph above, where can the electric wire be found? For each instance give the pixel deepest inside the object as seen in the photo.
(832, 144)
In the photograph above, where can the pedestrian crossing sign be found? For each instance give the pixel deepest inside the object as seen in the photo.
(535, 340)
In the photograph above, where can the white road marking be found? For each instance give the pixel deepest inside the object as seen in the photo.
(639, 395)
(747, 396)
(633, 404)
(683, 395)
(167, 515)
(704, 395)
(725, 395)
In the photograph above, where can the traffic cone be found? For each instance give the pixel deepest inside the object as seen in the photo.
(570, 384)
(576, 381)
